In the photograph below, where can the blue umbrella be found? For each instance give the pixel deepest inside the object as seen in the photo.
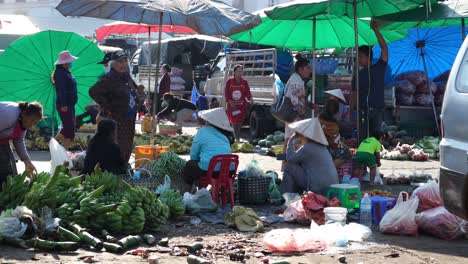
(431, 50)
(439, 47)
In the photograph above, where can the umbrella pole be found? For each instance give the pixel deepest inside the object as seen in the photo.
(314, 59)
(156, 83)
(149, 58)
(463, 28)
(356, 71)
(420, 45)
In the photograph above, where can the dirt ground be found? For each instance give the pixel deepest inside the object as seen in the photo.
(221, 241)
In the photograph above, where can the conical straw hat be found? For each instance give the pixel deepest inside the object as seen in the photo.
(217, 117)
(337, 93)
(310, 128)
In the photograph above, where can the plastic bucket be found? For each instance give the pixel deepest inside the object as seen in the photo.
(335, 214)
(160, 150)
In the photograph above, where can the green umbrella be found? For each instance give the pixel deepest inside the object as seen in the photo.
(27, 64)
(311, 9)
(451, 13)
(332, 31)
(307, 9)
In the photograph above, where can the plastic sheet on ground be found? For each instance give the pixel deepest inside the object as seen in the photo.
(315, 239)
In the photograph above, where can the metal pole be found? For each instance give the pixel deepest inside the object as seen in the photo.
(314, 59)
(149, 58)
(421, 44)
(156, 82)
(356, 71)
(463, 28)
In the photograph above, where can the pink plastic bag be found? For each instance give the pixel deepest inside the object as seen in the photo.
(401, 219)
(441, 223)
(429, 196)
(289, 240)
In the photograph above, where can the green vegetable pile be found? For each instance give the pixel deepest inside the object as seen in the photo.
(170, 164)
(242, 148)
(179, 144)
(429, 145)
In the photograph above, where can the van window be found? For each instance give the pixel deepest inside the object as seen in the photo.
(462, 76)
(220, 65)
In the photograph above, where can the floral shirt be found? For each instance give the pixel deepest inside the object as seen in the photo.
(295, 91)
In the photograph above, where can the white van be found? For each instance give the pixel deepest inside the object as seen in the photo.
(454, 144)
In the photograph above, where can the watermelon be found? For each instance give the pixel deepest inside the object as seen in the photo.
(262, 143)
(270, 144)
(269, 138)
(278, 133)
(278, 138)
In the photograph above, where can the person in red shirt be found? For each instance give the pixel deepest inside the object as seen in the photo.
(238, 96)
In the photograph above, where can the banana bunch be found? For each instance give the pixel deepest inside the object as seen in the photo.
(65, 212)
(175, 202)
(156, 212)
(13, 191)
(133, 215)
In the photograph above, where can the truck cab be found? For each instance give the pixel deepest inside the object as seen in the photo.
(454, 145)
(259, 72)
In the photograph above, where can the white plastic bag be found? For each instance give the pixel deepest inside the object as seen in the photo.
(378, 179)
(401, 220)
(12, 227)
(166, 186)
(199, 202)
(58, 155)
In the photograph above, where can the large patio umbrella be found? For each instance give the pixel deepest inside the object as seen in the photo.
(449, 13)
(27, 64)
(205, 17)
(431, 50)
(297, 34)
(311, 9)
(121, 27)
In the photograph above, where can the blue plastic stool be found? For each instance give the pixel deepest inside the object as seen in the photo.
(380, 205)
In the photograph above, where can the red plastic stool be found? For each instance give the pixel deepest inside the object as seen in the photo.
(225, 180)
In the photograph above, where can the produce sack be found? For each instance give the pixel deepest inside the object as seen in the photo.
(401, 219)
(199, 202)
(58, 155)
(441, 87)
(441, 223)
(244, 219)
(429, 196)
(425, 87)
(404, 87)
(423, 100)
(297, 240)
(443, 77)
(405, 99)
(415, 77)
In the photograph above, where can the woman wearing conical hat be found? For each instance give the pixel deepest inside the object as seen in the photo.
(310, 166)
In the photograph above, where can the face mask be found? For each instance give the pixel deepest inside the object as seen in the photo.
(107, 69)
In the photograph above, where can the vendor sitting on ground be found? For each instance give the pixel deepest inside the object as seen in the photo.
(215, 138)
(310, 166)
(103, 149)
(177, 110)
(368, 154)
(92, 111)
(339, 152)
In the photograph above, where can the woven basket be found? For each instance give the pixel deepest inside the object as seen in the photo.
(146, 180)
(253, 190)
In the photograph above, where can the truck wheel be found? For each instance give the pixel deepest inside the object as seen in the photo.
(256, 124)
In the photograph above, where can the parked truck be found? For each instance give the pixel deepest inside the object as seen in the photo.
(259, 71)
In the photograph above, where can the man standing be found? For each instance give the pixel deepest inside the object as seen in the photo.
(371, 87)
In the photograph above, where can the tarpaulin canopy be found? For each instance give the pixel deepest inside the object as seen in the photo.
(202, 48)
